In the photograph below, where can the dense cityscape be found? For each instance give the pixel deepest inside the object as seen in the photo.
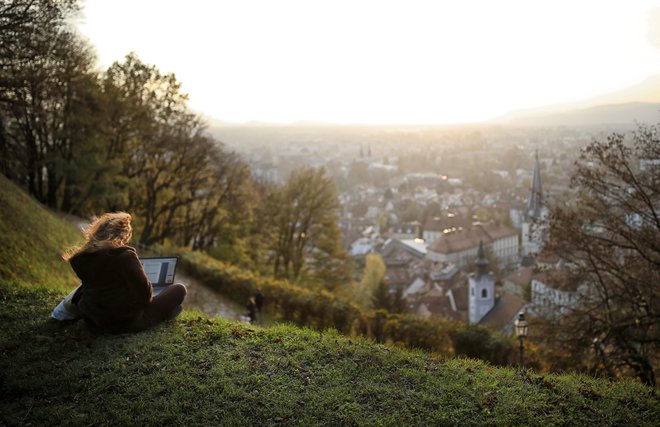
(426, 199)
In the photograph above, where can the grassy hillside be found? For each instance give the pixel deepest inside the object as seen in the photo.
(202, 371)
(32, 240)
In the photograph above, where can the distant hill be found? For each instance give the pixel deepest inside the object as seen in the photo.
(640, 102)
(616, 114)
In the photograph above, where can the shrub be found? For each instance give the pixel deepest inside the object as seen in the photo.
(478, 341)
(321, 309)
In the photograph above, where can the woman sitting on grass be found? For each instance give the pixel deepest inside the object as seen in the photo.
(115, 295)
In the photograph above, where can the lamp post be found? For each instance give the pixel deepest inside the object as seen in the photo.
(521, 332)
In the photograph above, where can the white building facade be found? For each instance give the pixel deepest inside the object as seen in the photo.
(551, 302)
(481, 288)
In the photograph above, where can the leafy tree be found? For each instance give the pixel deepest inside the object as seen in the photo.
(88, 178)
(479, 342)
(372, 276)
(159, 143)
(381, 298)
(47, 87)
(610, 236)
(224, 208)
(330, 265)
(398, 302)
(306, 241)
(181, 183)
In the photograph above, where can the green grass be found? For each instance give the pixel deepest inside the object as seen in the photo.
(201, 371)
(204, 371)
(32, 240)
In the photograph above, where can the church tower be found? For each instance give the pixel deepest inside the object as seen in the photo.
(535, 204)
(535, 217)
(481, 297)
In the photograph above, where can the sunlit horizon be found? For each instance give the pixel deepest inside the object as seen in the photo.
(381, 62)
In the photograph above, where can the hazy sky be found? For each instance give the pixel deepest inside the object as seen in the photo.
(363, 61)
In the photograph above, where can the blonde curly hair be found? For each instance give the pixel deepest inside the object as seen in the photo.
(110, 230)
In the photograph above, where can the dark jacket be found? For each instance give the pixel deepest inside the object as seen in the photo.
(115, 289)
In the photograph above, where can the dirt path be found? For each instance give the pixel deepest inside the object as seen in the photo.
(208, 301)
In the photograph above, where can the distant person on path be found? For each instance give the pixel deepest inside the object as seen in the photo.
(259, 302)
(252, 309)
(115, 295)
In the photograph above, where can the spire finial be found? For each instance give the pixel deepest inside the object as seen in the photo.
(482, 261)
(536, 198)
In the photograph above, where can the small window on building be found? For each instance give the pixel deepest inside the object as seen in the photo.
(472, 291)
(484, 293)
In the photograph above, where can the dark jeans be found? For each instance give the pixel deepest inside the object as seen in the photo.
(164, 306)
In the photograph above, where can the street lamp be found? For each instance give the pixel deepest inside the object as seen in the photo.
(521, 332)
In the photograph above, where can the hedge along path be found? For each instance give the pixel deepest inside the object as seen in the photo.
(321, 309)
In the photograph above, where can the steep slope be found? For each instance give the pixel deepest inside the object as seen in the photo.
(32, 240)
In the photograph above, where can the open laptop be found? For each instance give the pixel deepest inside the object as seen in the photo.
(160, 271)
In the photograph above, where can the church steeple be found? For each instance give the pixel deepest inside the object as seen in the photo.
(536, 198)
(481, 288)
(482, 261)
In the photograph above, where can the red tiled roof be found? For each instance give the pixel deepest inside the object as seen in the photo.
(521, 276)
(458, 241)
(460, 295)
(499, 231)
(547, 257)
(438, 223)
(505, 309)
(441, 308)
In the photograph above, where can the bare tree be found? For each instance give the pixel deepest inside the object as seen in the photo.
(610, 236)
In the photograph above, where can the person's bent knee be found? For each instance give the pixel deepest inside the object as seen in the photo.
(181, 289)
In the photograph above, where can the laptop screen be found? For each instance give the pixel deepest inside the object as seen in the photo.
(160, 271)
